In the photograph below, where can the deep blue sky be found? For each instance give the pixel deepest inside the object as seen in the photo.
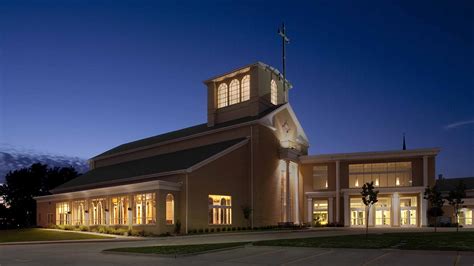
(79, 77)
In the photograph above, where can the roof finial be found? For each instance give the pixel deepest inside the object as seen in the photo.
(404, 144)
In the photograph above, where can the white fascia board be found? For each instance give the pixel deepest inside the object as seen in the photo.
(107, 191)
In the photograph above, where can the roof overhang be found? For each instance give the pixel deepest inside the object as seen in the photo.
(244, 69)
(127, 188)
(369, 155)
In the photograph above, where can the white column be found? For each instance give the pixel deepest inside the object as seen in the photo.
(338, 196)
(425, 171)
(86, 217)
(423, 208)
(309, 215)
(395, 209)
(288, 202)
(330, 210)
(130, 215)
(297, 195)
(107, 217)
(371, 211)
(346, 210)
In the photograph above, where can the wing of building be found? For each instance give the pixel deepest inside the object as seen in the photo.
(251, 154)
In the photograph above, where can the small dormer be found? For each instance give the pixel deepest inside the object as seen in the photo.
(247, 91)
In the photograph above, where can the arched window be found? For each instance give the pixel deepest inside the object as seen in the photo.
(169, 209)
(246, 88)
(222, 95)
(273, 92)
(234, 92)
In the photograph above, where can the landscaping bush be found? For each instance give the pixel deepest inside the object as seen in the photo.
(83, 228)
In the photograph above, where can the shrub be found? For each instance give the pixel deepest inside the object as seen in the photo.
(201, 231)
(218, 229)
(206, 230)
(69, 227)
(233, 228)
(164, 234)
(83, 228)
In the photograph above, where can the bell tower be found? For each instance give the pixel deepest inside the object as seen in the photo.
(245, 92)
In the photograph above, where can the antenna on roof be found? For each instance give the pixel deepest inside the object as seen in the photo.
(404, 144)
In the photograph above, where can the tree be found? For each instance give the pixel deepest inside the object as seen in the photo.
(369, 197)
(435, 198)
(455, 199)
(24, 184)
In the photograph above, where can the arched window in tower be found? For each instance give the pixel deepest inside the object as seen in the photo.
(246, 88)
(273, 92)
(169, 209)
(234, 92)
(222, 95)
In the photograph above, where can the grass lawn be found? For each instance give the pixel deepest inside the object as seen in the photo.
(420, 241)
(178, 250)
(36, 234)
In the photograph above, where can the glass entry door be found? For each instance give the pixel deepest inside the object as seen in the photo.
(408, 217)
(382, 217)
(357, 217)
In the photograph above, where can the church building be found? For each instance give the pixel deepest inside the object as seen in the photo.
(251, 154)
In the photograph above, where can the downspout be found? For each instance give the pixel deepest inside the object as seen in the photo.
(186, 203)
(251, 175)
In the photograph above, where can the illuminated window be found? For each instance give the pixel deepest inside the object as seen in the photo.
(320, 177)
(97, 211)
(120, 210)
(357, 212)
(169, 209)
(220, 209)
(78, 212)
(246, 88)
(222, 95)
(63, 212)
(145, 209)
(382, 174)
(408, 211)
(382, 212)
(234, 92)
(465, 217)
(320, 212)
(273, 92)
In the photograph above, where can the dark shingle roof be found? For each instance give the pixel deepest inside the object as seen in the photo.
(179, 160)
(447, 184)
(182, 133)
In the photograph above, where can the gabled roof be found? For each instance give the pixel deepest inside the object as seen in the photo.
(181, 133)
(447, 184)
(164, 164)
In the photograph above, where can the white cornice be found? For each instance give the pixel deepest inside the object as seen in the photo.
(369, 155)
(356, 191)
(107, 191)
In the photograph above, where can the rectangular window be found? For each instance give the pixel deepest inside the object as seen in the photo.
(50, 218)
(120, 207)
(320, 177)
(320, 212)
(145, 209)
(391, 174)
(63, 212)
(357, 212)
(220, 209)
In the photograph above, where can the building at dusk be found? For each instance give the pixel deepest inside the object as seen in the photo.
(252, 153)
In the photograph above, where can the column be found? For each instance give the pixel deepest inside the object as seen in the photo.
(297, 195)
(288, 210)
(338, 196)
(107, 217)
(330, 210)
(423, 208)
(130, 212)
(346, 210)
(371, 211)
(309, 215)
(395, 209)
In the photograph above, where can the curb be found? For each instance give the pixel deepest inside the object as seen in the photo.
(67, 241)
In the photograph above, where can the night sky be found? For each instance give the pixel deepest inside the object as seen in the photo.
(80, 77)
